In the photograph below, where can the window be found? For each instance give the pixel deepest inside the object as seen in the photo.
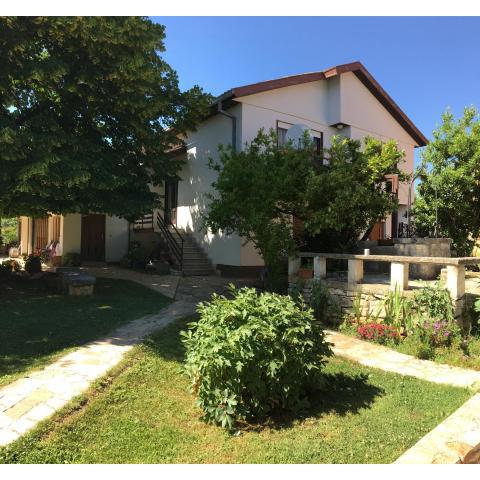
(282, 129)
(318, 144)
(281, 133)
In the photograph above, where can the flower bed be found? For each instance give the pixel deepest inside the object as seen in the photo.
(423, 326)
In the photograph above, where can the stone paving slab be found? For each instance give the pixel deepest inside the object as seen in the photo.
(29, 400)
(455, 440)
(164, 284)
(377, 356)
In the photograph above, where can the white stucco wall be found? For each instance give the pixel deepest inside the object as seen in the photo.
(71, 233)
(322, 103)
(116, 238)
(26, 235)
(367, 116)
(316, 104)
(197, 179)
(307, 104)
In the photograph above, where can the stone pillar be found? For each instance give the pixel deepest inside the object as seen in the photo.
(293, 266)
(355, 271)
(456, 281)
(319, 267)
(399, 276)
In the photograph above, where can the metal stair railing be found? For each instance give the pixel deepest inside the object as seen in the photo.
(175, 248)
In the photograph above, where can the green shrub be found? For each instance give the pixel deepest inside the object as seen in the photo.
(72, 259)
(252, 354)
(7, 267)
(326, 307)
(397, 311)
(135, 257)
(433, 302)
(33, 264)
(295, 289)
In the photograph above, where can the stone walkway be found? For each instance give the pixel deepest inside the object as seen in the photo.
(29, 400)
(173, 286)
(164, 284)
(383, 358)
(455, 440)
(35, 397)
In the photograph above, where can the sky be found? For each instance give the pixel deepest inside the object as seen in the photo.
(426, 64)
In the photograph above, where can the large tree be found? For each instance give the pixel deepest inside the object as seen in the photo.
(89, 110)
(448, 197)
(260, 189)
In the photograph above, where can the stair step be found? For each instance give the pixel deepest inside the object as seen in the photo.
(199, 273)
(196, 260)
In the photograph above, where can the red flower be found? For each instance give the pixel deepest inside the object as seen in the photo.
(377, 332)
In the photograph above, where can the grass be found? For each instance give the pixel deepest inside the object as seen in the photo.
(143, 413)
(37, 324)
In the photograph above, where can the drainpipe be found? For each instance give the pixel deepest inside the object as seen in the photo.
(234, 125)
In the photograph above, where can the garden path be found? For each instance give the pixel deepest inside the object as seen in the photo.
(377, 356)
(35, 397)
(457, 438)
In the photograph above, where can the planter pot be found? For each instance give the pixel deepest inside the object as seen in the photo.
(305, 273)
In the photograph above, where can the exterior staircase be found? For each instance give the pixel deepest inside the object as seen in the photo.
(188, 257)
(195, 260)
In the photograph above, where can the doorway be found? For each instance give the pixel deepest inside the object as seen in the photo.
(93, 237)
(171, 201)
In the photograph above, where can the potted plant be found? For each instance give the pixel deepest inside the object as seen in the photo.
(306, 269)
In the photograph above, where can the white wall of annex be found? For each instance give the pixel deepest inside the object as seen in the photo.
(116, 238)
(196, 183)
(71, 233)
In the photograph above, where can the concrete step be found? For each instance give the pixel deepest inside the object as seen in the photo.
(194, 253)
(197, 272)
(196, 261)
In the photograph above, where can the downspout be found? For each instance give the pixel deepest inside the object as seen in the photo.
(233, 118)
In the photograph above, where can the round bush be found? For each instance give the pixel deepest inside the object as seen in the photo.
(252, 354)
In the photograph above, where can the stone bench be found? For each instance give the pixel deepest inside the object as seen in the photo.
(75, 282)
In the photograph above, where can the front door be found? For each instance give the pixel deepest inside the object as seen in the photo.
(171, 201)
(93, 237)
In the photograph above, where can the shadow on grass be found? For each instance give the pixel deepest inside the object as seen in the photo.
(36, 321)
(342, 394)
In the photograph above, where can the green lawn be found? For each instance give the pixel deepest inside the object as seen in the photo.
(37, 324)
(142, 413)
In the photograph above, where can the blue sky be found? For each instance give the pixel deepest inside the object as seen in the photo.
(426, 64)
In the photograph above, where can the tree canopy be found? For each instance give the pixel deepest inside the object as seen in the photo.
(89, 110)
(261, 188)
(450, 182)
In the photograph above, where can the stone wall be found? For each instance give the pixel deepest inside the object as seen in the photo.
(369, 299)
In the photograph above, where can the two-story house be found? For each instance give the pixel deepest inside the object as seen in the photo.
(344, 100)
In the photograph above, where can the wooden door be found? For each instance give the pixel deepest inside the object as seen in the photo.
(40, 227)
(93, 237)
(377, 231)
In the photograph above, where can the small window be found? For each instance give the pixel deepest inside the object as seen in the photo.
(281, 134)
(318, 144)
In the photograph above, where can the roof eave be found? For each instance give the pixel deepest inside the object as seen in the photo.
(228, 98)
